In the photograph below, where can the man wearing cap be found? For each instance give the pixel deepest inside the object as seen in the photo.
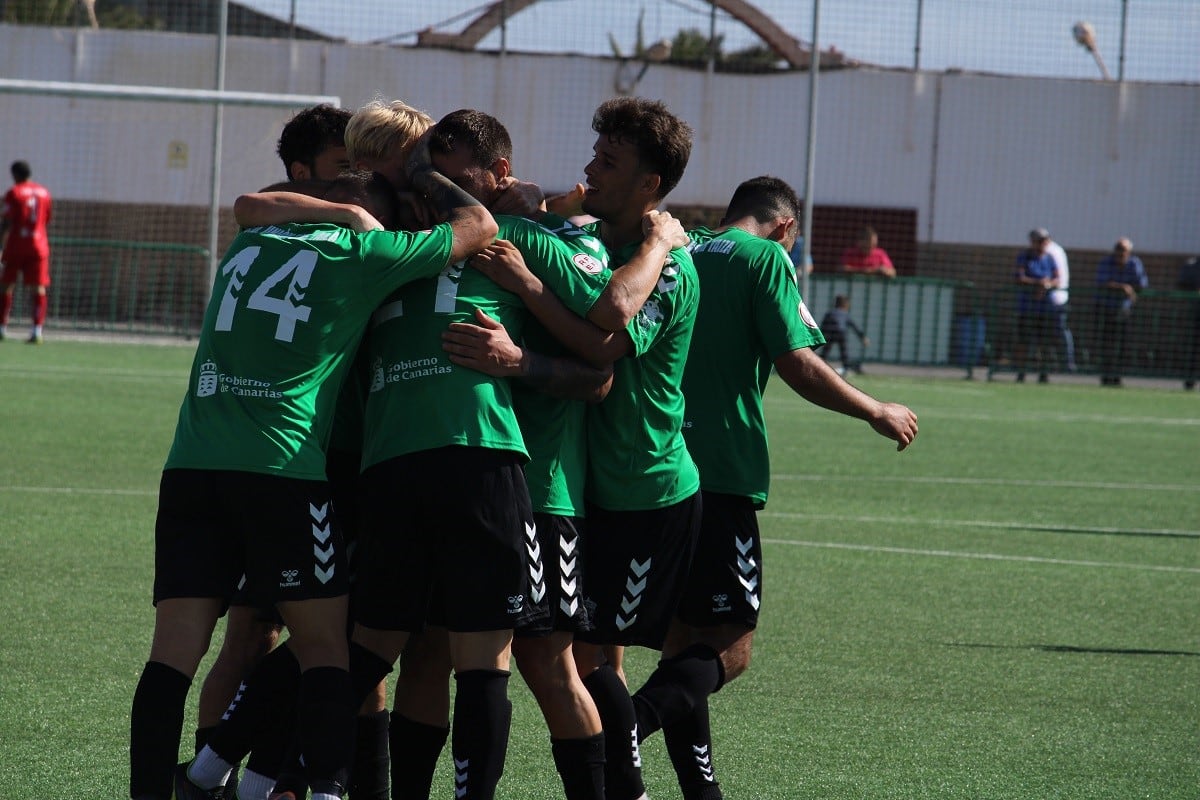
(1059, 296)
(1119, 278)
(1036, 276)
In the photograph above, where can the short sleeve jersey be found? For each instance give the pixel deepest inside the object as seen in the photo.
(637, 458)
(1034, 265)
(554, 428)
(27, 210)
(416, 398)
(750, 314)
(288, 308)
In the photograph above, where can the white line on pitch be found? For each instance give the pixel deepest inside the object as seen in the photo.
(981, 556)
(1057, 484)
(75, 490)
(976, 523)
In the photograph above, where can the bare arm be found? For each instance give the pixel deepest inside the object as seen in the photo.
(503, 263)
(810, 377)
(632, 283)
(488, 348)
(279, 208)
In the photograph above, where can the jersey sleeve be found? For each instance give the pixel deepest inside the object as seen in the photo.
(394, 258)
(571, 266)
(784, 322)
(662, 310)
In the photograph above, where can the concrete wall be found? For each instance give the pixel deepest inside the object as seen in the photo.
(982, 159)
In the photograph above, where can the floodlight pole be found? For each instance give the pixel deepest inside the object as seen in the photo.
(810, 155)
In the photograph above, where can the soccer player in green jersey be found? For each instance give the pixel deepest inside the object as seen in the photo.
(751, 319)
(244, 489)
(643, 499)
(312, 147)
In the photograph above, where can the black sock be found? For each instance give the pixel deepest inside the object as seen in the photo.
(415, 748)
(689, 744)
(369, 775)
(203, 735)
(366, 671)
(263, 711)
(580, 764)
(678, 685)
(326, 718)
(155, 727)
(622, 759)
(479, 742)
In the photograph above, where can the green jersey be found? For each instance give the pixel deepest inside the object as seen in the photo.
(750, 313)
(554, 428)
(637, 459)
(417, 399)
(289, 306)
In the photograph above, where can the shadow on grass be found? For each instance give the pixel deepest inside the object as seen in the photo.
(1066, 648)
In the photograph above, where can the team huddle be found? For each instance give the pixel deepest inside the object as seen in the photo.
(435, 424)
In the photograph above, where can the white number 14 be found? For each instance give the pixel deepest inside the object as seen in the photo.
(289, 308)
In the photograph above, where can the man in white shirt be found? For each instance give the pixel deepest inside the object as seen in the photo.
(1060, 295)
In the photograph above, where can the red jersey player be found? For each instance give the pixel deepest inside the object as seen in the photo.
(26, 247)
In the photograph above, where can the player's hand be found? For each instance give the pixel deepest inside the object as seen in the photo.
(504, 264)
(485, 347)
(897, 423)
(518, 198)
(660, 224)
(569, 204)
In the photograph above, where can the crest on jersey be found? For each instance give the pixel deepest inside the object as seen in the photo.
(807, 316)
(588, 264)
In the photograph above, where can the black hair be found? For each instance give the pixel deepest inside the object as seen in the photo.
(765, 198)
(485, 135)
(20, 171)
(663, 140)
(310, 133)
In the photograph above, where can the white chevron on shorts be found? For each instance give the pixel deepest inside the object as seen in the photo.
(460, 776)
(747, 568)
(633, 593)
(537, 586)
(323, 551)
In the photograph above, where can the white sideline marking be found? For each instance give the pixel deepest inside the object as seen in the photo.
(1140, 487)
(982, 556)
(978, 523)
(72, 490)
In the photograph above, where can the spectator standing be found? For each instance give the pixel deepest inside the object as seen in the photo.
(1189, 281)
(1119, 278)
(866, 256)
(26, 247)
(1036, 275)
(836, 323)
(1059, 297)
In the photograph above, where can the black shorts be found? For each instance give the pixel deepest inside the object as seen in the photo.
(637, 567)
(213, 526)
(447, 530)
(555, 554)
(725, 583)
(341, 469)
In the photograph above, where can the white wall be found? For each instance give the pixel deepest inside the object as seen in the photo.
(982, 158)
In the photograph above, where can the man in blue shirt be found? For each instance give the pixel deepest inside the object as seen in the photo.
(1036, 275)
(1119, 278)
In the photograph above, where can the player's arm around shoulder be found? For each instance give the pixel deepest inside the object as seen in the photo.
(813, 379)
(663, 237)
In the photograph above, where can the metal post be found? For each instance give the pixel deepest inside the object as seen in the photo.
(1124, 30)
(917, 41)
(214, 202)
(503, 27)
(712, 38)
(810, 155)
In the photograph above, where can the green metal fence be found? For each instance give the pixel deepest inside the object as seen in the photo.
(125, 286)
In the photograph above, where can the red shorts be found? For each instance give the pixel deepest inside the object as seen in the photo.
(34, 270)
